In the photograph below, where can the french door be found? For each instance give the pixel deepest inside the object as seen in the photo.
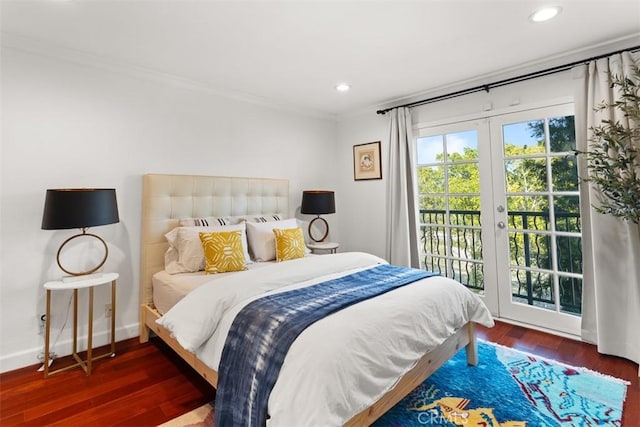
(499, 212)
(455, 206)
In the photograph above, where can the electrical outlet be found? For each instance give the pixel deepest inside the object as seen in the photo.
(41, 322)
(107, 310)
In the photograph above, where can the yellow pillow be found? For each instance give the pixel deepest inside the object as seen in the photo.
(289, 243)
(223, 251)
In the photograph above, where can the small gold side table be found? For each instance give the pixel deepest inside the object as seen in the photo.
(81, 283)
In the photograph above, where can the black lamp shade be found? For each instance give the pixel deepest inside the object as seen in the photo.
(79, 208)
(318, 202)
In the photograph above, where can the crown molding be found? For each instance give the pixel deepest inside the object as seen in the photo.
(24, 44)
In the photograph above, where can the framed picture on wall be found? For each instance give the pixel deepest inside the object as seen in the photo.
(366, 161)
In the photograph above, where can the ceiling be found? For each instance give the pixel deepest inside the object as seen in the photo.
(292, 53)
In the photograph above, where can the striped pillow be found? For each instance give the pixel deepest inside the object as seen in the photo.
(264, 218)
(208, 221)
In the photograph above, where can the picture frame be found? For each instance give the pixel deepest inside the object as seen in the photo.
(366, 161)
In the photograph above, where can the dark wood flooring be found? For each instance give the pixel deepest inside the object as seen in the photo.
(147, 384)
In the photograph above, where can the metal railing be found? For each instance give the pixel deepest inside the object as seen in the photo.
(453, 248)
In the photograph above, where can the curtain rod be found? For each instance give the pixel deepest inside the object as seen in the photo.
(487, 87)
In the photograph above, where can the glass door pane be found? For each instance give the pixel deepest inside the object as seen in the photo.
(541, 236)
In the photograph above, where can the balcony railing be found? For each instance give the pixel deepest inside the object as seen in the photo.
(453, 248)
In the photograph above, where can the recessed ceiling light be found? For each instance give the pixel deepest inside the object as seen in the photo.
(545, 13)
(342, 87)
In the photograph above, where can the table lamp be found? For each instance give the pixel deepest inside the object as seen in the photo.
(318, 202)
(81, 208)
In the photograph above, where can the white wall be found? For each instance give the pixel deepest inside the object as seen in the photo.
(69, 124)
(362, 203)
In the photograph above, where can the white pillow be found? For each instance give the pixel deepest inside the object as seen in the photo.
(262, 241)
(190, 255)
(171, 264)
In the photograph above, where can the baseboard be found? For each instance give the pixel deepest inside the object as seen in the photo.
(29, 357)
(539, 328)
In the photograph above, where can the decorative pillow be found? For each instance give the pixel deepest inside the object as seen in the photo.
(289, 243)
(208, 221)
(264, 218)
(262, 241)
(223, 251)
(190, 256)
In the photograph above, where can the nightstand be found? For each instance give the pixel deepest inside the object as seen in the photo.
(330, 247)
(76, 283)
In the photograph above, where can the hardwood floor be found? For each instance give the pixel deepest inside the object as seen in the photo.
(147, 384)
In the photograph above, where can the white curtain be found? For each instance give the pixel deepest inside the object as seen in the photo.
(611, 287)
(402, 225)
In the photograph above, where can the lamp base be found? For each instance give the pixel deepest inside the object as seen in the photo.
(326, 227)
(82, 274)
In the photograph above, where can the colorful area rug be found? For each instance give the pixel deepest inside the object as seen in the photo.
(509, 388)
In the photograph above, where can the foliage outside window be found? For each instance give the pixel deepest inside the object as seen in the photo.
(614, 153)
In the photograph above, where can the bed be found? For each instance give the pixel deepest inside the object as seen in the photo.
(168, 198)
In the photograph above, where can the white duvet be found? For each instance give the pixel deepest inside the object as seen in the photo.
(348, 360)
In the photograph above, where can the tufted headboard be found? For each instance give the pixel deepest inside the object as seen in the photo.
(167, 198)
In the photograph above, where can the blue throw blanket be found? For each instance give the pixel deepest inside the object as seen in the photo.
(263, 331)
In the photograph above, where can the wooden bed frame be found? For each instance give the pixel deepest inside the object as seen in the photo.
(167, 198)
